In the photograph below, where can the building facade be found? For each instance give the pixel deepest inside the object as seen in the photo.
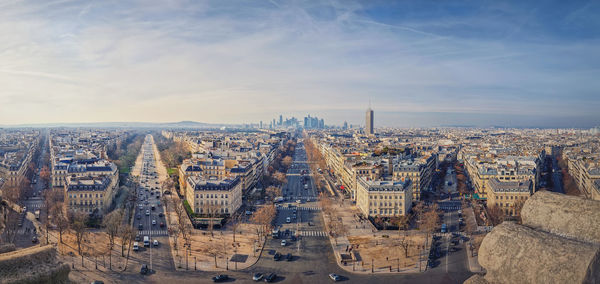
(383, 198)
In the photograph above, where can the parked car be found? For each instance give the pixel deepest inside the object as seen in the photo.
(335, 277)
(277, 256)
(220, 278)
(271, 277)
(257, 276)
(162, 224)
(283, 243)
(289, 257)
(155, 243)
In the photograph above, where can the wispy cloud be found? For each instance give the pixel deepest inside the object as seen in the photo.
(222, 61)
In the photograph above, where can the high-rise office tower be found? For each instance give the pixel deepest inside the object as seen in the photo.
(369, 123)
(280, 119)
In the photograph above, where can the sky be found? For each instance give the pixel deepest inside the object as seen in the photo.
(420, 63)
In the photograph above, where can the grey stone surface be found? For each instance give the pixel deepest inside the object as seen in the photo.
(513, 253)
(33, 265)
(568, 216)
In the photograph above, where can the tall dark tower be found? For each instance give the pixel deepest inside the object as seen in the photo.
(369, 129)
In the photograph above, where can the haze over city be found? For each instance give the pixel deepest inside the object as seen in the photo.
(421, 63)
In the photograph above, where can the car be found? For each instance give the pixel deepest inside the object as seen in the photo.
(161, 214)
(140, 226)
(293, 238)
(155, 243)
(136, 246)
(298, 201)
(34, 239)
(137, 216)
(459, 212)
(276, 256)
(283, 243)
(248, 212)
(220, 278)
(257, 276)
(288, 220)
(162, 224)
(138, 238)
(144, 269)
(289, 257)
(153, 207)
(335, 277)
(271, 277)
(147, 212)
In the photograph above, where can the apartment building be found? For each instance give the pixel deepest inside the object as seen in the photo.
(508, 195)
(221, 196)
(90, 194)
(419, 170)
(17, 148)
(584, 167)
(383, 198)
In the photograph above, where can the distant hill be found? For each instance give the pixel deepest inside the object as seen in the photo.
(180, 124)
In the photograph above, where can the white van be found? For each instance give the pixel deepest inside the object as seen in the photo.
(146, 241)
(136, 246)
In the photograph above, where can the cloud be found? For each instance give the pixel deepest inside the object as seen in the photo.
(247, 61)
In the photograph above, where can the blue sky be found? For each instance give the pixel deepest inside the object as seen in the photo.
(422, 63)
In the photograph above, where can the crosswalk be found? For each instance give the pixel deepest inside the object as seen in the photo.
(313, 234)
(449, 208)
(303, 208)
(153, 233)
(35, 205)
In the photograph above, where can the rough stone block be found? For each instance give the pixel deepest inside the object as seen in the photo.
(513, 253)
(563, 215)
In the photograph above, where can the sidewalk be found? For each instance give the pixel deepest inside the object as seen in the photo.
(356, 228)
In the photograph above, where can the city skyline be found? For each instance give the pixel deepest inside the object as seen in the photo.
(423, 64)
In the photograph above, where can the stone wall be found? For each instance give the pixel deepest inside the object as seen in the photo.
(33, 265)
(558, 242)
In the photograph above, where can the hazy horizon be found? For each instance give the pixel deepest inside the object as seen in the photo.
(422, 64)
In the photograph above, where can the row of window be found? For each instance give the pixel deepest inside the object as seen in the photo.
(214, 202)
(85, 202)
(385, 204)
(223, 210)
(383, 211)
(385, 197)
(85, 195)
(511, 197)
(213, 195)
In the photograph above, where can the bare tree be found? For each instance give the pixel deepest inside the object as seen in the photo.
(264, 218)
(211, 211)
(287, 161)
(213, 249)
(280, 177)
(272, 192)
(495, 215)
(430, 221)
(405, 243)
(45, 174)
(78, 226)
(236, 221)
(60, 219)
(112, 222)
(125, 233)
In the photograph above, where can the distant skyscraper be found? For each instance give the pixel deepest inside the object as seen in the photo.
(321, 124)
(369, 123)
(345, 125)
(280, 119)
(260, 124)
